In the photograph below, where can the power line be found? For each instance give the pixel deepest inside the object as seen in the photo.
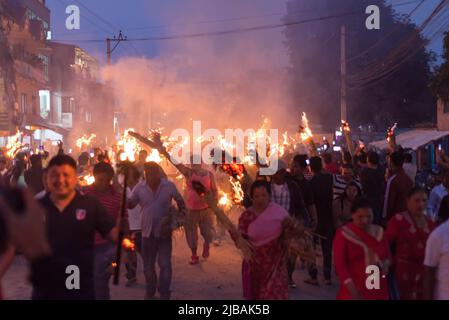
(233, 31)
(245, 18)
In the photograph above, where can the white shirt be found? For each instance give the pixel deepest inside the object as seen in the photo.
(437, 256)
(410, 169)
(433, 205)
(134, 215)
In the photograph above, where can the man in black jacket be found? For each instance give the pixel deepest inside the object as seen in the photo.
(322, 188)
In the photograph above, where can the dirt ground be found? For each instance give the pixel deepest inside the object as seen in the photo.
(217, 278)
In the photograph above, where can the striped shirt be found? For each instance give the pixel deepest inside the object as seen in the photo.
(340, 185)
(281, 195)
(110, 200)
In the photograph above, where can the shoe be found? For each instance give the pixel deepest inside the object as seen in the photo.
(131, 282)
(194, 260)
(217, 242)
(206, 251)
(313, 282)
(291, 284)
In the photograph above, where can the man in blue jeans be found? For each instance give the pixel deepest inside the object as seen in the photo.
(155, 196)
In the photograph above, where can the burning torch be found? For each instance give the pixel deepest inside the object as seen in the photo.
(391, 136)
(347, 132)
(306, 135)
(124, 169)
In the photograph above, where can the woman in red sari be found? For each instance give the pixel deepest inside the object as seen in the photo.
(265, 277)
(357, 245)
(407, 232)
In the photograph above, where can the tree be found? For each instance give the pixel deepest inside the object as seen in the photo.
(440, 80)
(314, 49)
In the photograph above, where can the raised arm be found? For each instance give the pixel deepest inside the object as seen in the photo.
(157, 144)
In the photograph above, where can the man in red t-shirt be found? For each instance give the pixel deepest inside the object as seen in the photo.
(110, 198)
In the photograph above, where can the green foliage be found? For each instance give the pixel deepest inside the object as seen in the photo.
(440, 80)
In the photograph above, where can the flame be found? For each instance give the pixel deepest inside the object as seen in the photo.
(345, 126)
(224, 200)
(128, 244)
(129, 146)
(85, 140)
(154, 156)
(14, 145)
(305, 131)
(87, 180)
(237, 190)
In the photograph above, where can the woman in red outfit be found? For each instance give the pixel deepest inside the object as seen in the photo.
(357, 245)
(265, 277)
(407, 232)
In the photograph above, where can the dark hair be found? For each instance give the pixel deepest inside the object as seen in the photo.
(35, 159)
(347, 166)
(443, 213)
(301, 160)
(143, 151)
(327, 158)
(373, 157)
(408, 157)
(360, 203)
(414, 191)
(83, 159)
(397, 159)
(316, 164)
(347, 158)
(363, 157)
(352, 184)
(260, 184)
(149, 166)
(134, 172)
(103, 168)
(60, 160)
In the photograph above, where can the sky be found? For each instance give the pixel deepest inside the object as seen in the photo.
(144, 18)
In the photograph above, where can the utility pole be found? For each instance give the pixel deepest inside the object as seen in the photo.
(117, 41)
(109, 51)
(343, 98)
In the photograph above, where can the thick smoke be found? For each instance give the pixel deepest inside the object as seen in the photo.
(228, 81)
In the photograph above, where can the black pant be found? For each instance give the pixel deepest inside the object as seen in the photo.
(326, 248)
(291, 265)
(131, 261)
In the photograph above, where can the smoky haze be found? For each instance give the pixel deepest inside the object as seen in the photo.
(228, 81)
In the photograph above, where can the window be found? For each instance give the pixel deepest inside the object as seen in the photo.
(33, 105)
(23, 103)
(446, 107)
(45, 62)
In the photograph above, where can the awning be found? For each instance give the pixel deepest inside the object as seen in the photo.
(413, 139)
(36, 121)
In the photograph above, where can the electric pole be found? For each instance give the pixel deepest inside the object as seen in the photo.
(343, 98)
(117, 41)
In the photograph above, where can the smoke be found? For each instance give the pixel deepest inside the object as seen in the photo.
(228, 81)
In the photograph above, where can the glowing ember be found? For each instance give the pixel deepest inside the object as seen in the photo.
(114, 264)
(128, 244)
(85, 140)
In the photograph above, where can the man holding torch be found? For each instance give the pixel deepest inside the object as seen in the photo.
(155, 196)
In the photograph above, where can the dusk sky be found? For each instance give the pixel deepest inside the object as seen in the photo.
(159, 18)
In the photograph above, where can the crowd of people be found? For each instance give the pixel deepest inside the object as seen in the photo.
(360, 211)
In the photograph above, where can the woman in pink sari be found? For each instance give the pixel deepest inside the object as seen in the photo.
(265, 277)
